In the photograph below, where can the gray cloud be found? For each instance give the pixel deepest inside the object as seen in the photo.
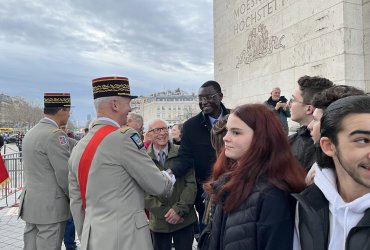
(48, 45)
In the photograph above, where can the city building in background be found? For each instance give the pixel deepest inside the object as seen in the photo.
(173, 106)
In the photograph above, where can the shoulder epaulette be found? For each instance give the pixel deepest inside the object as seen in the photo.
(57, 130)
(124, 129)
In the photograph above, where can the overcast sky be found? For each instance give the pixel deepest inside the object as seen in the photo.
(60, 46)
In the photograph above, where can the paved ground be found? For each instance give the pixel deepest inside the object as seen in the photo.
(11, 228)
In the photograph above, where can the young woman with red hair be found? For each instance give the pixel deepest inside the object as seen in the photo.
(251, 184)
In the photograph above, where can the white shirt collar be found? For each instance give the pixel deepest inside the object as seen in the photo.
(212, 120)
(108, 120)
(156, 151)
(56, 124)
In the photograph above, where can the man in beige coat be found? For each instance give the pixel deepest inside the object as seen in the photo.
(44, 202)
(119, 173)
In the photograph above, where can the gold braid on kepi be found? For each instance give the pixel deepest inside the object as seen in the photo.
(57, 100)
(111, 86)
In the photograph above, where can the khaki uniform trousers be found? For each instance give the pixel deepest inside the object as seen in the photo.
(43, 236)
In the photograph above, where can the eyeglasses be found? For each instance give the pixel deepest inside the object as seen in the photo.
(206, 97)
(158, 130)
(293, 100)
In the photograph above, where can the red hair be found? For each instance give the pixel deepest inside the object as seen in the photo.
(269, 156)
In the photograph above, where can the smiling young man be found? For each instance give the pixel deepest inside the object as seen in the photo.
(196, 149)
(301, 111)
(333, 213)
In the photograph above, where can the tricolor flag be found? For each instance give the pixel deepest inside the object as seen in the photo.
(4, 176)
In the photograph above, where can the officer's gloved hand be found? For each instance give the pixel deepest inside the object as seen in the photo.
(171, 177)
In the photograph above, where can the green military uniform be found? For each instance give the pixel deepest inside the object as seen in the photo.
(181, 200)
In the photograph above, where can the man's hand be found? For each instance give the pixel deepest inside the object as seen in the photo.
(280, 105)
(169, 171)
(170, 176)
(172, 217)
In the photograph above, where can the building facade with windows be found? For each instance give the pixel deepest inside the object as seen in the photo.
(172, 106)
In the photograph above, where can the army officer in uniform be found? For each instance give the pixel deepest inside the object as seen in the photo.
(109, 172)
(44, 202)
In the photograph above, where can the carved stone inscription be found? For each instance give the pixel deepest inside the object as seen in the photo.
(251, 12)
(259, 44)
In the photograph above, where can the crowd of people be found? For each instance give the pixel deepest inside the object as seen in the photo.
(230, 179)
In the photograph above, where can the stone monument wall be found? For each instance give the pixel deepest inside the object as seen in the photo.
(260, 44)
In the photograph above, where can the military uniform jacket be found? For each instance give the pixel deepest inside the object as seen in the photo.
(120, 172)
(45, 156)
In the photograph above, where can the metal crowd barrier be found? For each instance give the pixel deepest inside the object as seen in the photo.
(11, 191)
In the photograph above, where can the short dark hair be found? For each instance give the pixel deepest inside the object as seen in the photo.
(331, 122)
(310, 85)
(213, 84)
(179, 126)
(52, 111)
(324, 98)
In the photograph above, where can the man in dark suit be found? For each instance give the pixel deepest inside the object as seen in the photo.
(196, 149)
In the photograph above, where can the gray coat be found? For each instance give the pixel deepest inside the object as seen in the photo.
(45, 155)
(120, 172)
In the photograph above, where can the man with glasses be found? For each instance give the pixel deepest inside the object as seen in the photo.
(44, 202)
(171, 218)
(196, 149)
(301, 111)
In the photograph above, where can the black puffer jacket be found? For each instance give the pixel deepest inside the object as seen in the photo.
(314, 223)
(265, 221)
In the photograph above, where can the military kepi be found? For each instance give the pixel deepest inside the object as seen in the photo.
(111, 86)
(57, 100)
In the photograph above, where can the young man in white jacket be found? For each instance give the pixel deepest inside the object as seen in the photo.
(333, 213)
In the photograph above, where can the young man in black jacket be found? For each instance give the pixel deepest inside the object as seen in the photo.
(196, 149)
(334, 212)
(301, 111)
